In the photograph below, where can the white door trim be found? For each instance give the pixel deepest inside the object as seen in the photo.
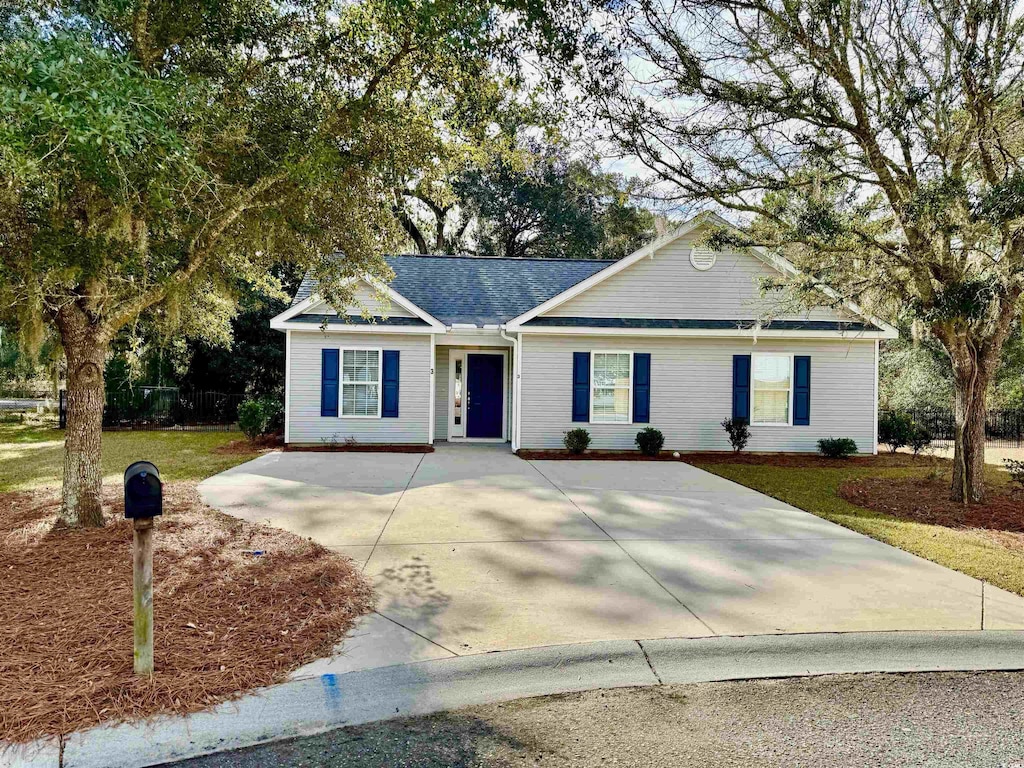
(454, 354)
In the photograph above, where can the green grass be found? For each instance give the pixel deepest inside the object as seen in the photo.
(33, 456)
(816, 490)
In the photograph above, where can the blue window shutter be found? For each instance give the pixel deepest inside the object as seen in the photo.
(802, 390)
(328, 382)
(389, 406)
(741, 387)
(581, 386)
(641, 387)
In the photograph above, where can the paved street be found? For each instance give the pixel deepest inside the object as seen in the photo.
(959, 720)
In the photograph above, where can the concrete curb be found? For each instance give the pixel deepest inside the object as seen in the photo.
(312, 705)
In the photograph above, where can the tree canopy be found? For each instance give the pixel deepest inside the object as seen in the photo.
(152, 154)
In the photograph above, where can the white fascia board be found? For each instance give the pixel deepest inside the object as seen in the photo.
(313, 299)
(786, 266)
(555, 330)
(350, 328)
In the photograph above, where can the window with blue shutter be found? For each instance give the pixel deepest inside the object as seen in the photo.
(741, 387)
(801, 390)
(329, 382)
(581, 386)
(389, 385)
(641, 387)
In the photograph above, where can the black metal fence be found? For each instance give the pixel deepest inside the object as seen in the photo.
(1003, 428)
(165, 408)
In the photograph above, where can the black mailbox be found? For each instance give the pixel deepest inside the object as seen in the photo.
(143, 491)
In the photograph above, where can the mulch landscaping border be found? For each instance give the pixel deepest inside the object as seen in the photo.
(237, 606)
(926, 500)
(374, 448)
(797, 460)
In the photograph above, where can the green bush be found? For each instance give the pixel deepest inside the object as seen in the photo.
(895, 430)
(260, 416)
(739, 433)
(576, 440)
(1016, 470)
(920, 438)
(837, 447)
(650, 441)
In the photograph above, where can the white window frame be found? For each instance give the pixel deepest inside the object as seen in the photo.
(753, 385)
(593, 356)
(341, 381)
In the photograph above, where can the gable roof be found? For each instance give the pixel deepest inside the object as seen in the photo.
(478, 291)
(773, 260)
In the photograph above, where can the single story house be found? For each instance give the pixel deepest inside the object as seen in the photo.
(522, 350)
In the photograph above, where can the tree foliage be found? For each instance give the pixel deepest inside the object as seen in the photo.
(544, 203)
(154, 154)
(877, 142)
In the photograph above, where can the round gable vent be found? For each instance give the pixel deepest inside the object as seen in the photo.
(702, 258)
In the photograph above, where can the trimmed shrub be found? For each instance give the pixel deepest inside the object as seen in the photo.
(650, 441)
(895, 430)
(260, 416)
(738, 431)
(1016, 470)
(920, 438)
(576, 440)
(837, 447)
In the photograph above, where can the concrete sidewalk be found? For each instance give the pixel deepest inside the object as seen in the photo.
(471, 549)
(313, 705)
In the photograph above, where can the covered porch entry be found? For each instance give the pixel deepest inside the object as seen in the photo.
(473, 390)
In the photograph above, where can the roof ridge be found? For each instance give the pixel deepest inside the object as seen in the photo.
(513, 259)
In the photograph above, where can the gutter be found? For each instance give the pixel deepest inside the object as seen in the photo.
(516, 375)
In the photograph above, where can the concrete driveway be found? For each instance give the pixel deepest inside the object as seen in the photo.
(472, 549)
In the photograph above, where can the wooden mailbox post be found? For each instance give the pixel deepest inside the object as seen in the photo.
(143, 501)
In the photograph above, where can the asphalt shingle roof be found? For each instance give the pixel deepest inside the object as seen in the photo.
(480, 291)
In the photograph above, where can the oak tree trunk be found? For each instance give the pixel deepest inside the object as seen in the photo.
(972, 372)
(82, 498)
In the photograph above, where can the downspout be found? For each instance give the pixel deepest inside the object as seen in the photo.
(515, 387)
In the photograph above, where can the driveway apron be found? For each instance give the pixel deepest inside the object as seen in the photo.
(472, 549)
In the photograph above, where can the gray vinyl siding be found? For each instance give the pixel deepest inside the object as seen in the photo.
(691, 392)
(307, 426)
(668, 286)
(366, 301)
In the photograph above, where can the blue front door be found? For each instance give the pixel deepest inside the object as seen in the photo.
(483, 396)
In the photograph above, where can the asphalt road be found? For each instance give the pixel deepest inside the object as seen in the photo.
(936, 719)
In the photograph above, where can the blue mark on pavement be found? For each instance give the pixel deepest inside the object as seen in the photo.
(331, 690)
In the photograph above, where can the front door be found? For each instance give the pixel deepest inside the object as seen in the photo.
(484, 395)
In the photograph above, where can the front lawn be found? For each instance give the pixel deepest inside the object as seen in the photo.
(993, 554)
(32, 456)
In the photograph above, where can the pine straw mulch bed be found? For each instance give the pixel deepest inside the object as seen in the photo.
(926, 500)
(226, 621)
(793, 460)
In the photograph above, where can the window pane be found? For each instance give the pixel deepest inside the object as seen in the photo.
(771, 372)
(611, 370)
(360, 365)
(359, 399)
(611, 404)
(771, 407)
